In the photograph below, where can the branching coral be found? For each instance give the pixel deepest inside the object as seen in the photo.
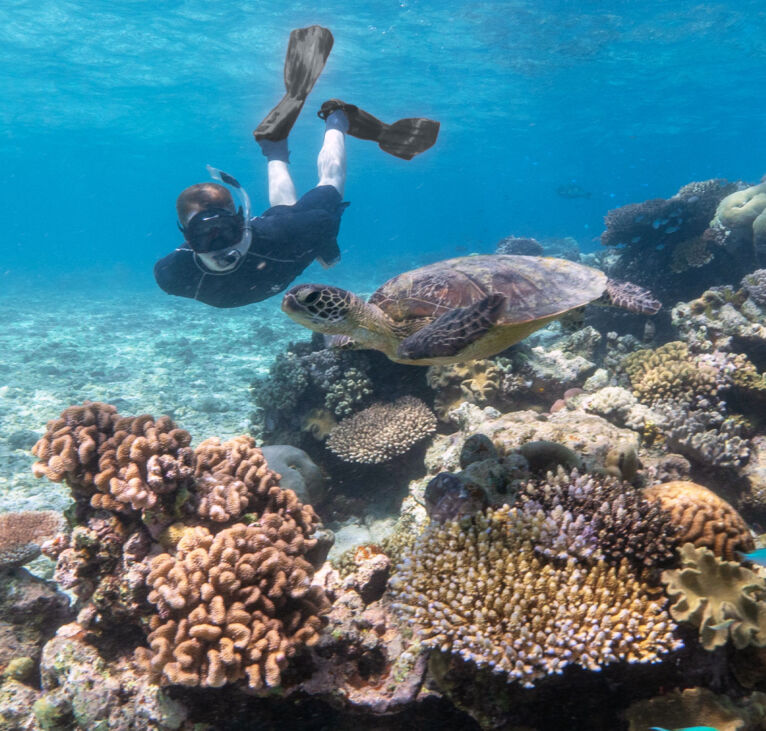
(477, 589)
(23, 533)
(723, 598)
(232, 605)
(670, 372)
(611, 514)
(382, 431)
(122, 463)
(703, 518)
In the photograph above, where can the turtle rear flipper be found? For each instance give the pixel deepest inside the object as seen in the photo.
(455, 330)
(630, 297)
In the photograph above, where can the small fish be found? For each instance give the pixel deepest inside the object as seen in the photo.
(686, 728)
(758, 556)
(572, 190)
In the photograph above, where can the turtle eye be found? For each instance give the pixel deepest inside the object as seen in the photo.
(310, 298)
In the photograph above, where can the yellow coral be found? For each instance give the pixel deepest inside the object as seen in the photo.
(478, 382)
(478, 589)
(723, 598)
(668, 373)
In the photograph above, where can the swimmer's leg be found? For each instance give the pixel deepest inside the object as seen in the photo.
(331, 163)
(281, 186)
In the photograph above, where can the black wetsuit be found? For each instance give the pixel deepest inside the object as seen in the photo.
(286, 239)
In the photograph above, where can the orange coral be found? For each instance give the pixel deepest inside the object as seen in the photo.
(703, 518)
(232, 605)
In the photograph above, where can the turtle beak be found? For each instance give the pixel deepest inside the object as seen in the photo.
(289, 303)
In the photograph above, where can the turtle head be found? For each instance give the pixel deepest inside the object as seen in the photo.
(320, 307)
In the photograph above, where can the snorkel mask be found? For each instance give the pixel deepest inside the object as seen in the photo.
(218, 232)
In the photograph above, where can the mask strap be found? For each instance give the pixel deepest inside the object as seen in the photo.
(232, 182)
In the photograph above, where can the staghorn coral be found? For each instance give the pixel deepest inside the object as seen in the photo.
(23, 533)
(232, 605)
(723, 598)
(611, 514)
(120, 463)
(703, 518)
(478, 590)
(382, 431)
(668, 373)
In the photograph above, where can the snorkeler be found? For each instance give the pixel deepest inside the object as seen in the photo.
(229, 259)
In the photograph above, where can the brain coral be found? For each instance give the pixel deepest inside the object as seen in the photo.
(744, 212)
(477, 589)
(22, 534)
(703, 518)
(723, 598)
(669, 373)
(232, 605)
(122, 463)
(382, 431)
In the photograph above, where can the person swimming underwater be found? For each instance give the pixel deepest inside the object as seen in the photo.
(229, 259)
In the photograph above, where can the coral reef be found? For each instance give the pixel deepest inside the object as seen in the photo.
(723, 598)
(119, 463)
(477, 589)
(703, 518)
(519, 245)
(669, 373)
(22, 534)
(232, 605)
(479, 382)
(605, 513)
(742, 216)
(382, 431)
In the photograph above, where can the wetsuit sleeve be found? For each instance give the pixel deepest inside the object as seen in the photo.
(177, 274)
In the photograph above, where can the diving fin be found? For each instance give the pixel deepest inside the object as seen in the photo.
(405, 138)
(307, 52)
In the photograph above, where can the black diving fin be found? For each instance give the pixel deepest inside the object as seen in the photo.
(405, 138)
(307, 52)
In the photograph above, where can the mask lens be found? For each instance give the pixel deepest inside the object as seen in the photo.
(214, 229)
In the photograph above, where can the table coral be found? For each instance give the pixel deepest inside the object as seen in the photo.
(232, 605)
(478, 590)
(723, 598)
(382, 431)
(703, 518)
(23, 533)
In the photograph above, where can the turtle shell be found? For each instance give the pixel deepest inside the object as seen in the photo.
(535, 287)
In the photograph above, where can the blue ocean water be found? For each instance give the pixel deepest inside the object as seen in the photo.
(109, 109)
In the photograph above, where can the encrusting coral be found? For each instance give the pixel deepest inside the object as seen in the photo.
(723, 598)
(23, 533)
(232, 605)
(703, 518)
(382, 431)
(476, 588)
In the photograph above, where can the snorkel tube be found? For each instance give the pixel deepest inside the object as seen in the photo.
(230, 255)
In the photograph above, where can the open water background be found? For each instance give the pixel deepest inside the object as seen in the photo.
(110, 108)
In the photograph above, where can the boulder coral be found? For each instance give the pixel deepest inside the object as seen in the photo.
(703, 518)
(723, 598)
(231, 605)
(477, 589)
(743, 213)
(382, 431)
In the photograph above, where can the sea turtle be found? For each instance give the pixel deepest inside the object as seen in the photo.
(460, 309)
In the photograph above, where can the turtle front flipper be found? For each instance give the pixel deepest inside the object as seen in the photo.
(339, 342)
(630, 297)
(455, 330)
